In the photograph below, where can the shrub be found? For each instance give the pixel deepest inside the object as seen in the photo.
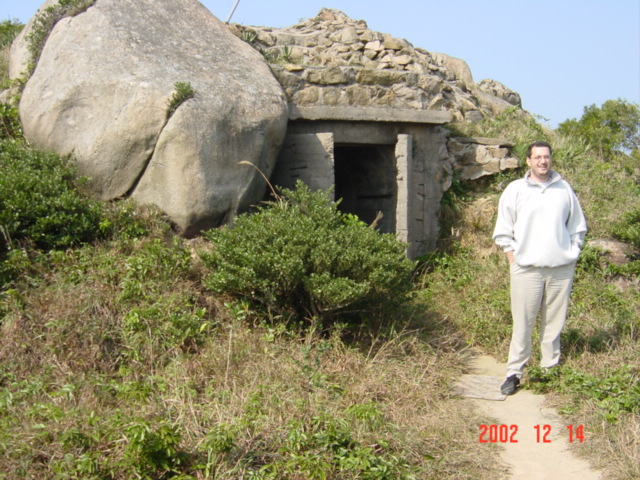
(300, 258)
(628, 228)
(612, 129)
(9, 29)
(39, 202)
(9, 121)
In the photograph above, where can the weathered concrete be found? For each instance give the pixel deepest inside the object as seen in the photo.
(411, 155)
(368, 114)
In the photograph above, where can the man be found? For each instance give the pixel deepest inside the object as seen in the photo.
(541, 228)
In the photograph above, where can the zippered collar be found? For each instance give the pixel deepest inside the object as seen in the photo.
(553, 178)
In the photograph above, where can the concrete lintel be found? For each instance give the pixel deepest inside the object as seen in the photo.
(369, 114)
(497, 142)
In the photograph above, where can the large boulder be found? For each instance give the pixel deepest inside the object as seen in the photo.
(101, 92)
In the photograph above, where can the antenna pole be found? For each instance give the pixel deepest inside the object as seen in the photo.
(232, 10)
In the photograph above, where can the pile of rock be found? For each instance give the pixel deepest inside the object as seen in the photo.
(334, 60)
(476, 157)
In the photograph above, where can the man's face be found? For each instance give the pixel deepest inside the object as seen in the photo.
(540, 163)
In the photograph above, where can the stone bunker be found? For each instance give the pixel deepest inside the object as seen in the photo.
(383, 164)
(366, 116)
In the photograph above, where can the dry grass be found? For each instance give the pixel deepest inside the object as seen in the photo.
(74, 385)
(469, 285)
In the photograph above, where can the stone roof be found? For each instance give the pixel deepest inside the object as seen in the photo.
(334, 61)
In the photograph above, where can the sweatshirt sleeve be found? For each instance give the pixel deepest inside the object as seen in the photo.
(503, 233)
(576, 223)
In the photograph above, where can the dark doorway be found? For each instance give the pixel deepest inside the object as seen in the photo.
(365, 180)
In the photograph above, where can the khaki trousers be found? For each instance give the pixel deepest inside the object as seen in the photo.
(534, 290)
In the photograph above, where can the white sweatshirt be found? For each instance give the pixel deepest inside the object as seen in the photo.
(542, 223)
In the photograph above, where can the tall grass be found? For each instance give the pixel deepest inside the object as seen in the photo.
(467, 280)
(118, 364)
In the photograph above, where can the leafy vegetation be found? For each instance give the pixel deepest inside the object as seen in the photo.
(612, 129)
(118, 361)
(9, 29)
(10, 126)
(468, 281)
(129, 352)
(300, 258)
(183, 92)
(39, 200)
(44, 22)
(614, 394)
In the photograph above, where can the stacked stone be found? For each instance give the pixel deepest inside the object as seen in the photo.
(333, 60)
(476, 157)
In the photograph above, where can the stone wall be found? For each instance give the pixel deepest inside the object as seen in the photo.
(476, 157)
(334, 60)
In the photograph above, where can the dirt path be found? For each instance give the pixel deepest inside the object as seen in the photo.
(535, 439)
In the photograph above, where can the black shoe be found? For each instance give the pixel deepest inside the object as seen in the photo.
(510, 385)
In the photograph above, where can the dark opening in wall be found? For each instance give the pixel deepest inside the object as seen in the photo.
(365, 180)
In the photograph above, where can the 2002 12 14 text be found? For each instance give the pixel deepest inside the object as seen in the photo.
(509, 433)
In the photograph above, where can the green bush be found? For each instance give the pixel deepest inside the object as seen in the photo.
(9, 29)
(300, 258)
(39, 203)
(612, 129)
(9, 121)
(628, 228)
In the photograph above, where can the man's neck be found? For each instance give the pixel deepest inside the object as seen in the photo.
(538, 179)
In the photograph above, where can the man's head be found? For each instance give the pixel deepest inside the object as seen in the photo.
(539, 143)
(539, 161)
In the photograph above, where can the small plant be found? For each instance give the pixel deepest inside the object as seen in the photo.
(10, 126)
(152, 452)
(278, 55)
(183, 92)
(285, 53)
(46, 20)
(249, 36)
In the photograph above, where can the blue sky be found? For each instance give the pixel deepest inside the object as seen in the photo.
(559, 55)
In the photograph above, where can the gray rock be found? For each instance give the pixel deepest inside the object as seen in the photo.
(101, 91)
(456, 67)
(499, 90)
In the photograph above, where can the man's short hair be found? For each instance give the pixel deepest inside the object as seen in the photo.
(539, 143)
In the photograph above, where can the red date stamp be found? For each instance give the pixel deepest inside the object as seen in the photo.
(510, 433)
